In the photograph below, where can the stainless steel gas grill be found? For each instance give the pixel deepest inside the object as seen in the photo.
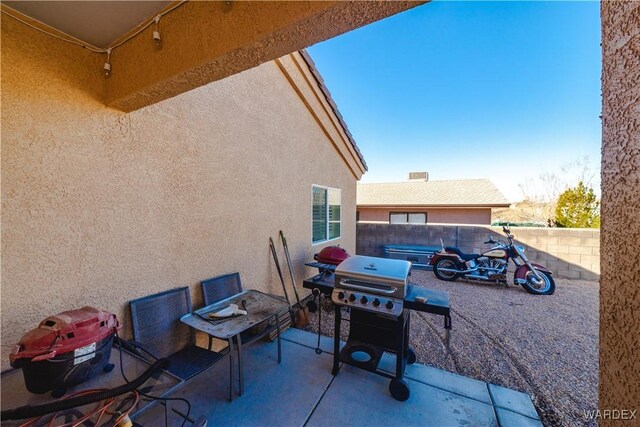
(377, 285)
(379, 297)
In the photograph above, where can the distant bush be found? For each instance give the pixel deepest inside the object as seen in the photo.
(578, 207)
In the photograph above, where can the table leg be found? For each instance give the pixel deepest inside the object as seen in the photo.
(231, 375)
(241, 379)
(279, 343)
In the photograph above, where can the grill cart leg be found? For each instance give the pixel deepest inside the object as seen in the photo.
(398, 387)
(447, 332)
(317, 292)
(336, 341)
(402, 347)
(411, 355)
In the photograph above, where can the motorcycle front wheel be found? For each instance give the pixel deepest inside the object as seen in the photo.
(547, 287)
(446, 275)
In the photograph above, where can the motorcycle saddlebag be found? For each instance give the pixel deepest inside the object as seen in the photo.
(65, 350)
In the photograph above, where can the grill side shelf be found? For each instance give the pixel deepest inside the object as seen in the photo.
(324, 282)
(437, 302)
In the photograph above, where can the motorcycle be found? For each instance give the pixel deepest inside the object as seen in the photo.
(450, 264)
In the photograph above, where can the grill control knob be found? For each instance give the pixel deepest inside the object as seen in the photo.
(364, 300)
(340, 295)
(352, 297)
(389, 305)
(376, 302)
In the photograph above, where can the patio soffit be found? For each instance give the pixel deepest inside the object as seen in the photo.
(99, 23)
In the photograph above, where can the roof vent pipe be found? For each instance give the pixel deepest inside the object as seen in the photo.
(418, 176)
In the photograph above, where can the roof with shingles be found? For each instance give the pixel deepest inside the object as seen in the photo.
(459, 192)
(316, 74)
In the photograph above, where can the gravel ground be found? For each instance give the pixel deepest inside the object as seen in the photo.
(546, 346)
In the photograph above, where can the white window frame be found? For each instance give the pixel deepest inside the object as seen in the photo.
(321, 242)
(407, 213)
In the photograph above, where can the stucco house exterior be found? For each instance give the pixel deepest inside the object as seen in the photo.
(100, 206)
(111, 187)
(421, 201)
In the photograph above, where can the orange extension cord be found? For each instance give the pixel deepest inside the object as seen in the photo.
(99, 411)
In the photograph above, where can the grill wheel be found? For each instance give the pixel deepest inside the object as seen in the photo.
(399, 389)
(411, 356)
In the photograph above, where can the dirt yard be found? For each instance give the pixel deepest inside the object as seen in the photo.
(546, 346)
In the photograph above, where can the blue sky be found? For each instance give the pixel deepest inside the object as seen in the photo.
(498, 90)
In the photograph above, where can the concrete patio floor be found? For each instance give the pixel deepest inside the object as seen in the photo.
(302, 392)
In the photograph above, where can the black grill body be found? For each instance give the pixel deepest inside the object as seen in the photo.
(377, 328)
(372, 335)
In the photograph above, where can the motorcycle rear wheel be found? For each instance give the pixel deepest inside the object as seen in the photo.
(446, 275)
(548, 287)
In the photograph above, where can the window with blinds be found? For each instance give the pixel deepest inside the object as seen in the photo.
(327, 213)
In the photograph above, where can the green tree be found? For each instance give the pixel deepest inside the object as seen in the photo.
(578, 207)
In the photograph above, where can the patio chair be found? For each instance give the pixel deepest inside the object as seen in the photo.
(157, 330)
(225, 286)
(221, 287)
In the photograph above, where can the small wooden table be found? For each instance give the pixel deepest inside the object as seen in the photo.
(260, 307)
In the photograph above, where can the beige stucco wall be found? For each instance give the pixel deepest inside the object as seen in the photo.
(620, 279)
(434, 215)
(99, 206)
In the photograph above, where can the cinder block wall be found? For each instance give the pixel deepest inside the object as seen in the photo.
(568, 253)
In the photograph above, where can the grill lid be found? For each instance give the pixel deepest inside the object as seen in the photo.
(331, 255)
(375, 270)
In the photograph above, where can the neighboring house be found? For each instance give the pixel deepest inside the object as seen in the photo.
(420, 201)
(100, 206)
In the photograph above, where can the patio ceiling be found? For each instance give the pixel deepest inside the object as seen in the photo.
(201, 41)
(97, 22)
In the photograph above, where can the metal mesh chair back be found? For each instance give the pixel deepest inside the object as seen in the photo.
(156, 321)
(221, 287)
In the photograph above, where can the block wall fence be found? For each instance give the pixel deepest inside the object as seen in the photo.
(568, 253)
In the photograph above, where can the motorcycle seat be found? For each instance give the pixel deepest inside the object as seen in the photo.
(466, 257)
